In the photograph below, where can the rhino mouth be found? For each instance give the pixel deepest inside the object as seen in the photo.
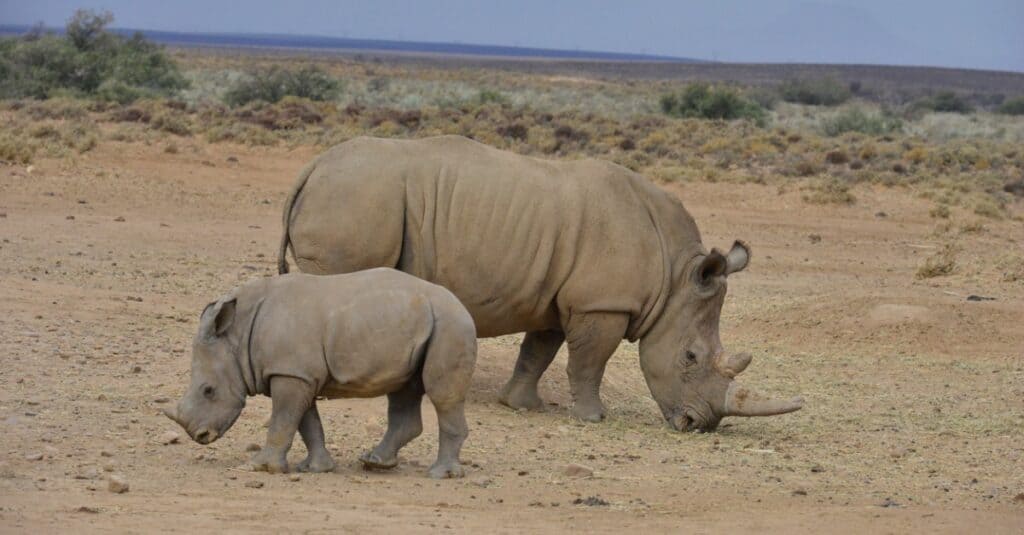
(689, 420)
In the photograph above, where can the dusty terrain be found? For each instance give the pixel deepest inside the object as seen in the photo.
(915, 396)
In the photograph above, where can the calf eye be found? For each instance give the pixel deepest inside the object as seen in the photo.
(208, 391)
(691, 357)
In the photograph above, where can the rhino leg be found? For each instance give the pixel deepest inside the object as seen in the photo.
(290, 398)
(592, 338)
(535, 355)
(404, 424)
(452, 431)
(318, 459)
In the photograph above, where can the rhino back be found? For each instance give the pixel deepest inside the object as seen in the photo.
(522, 242)
(356, 335)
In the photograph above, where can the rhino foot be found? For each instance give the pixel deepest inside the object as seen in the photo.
(446, 471)
(589, 412)
(520, 396)
(316, 464)
(268, 462)
(373, 461)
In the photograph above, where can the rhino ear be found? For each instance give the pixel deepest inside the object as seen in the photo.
(217, 317)
(738, 257)
(712, 266)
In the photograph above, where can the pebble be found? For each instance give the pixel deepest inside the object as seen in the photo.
(578, 470)
(817, 469)
(34, 456)
(294, 477)
(169, 437)
(254, 484)
(117, 484)
(253, 447)
(106, 453)
(119, 219)
(109, 467)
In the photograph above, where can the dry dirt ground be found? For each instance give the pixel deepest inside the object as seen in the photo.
(915, 396)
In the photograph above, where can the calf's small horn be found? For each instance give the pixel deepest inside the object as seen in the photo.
(173, 415)
(742, 401)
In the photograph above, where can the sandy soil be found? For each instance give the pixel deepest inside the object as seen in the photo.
(915, 395)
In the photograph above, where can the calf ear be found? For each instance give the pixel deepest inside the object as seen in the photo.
(217, 317)
(738, 257)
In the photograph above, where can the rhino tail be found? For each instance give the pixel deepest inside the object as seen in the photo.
(286, 240)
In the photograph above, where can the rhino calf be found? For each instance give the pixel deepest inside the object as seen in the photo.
(298, 337)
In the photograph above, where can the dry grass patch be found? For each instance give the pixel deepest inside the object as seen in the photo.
(940, 264)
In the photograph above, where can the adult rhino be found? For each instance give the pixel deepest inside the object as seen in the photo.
(584, 252)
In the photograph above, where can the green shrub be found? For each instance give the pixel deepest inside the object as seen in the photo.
(83, 61)
(275, 83)
(1012, 106)
(857, 120)
(710, 102)
(818, 92)
(488, 96)
(944, 101)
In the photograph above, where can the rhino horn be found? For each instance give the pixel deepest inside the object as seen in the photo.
(172, 413)
(742, 401)
(734, 364)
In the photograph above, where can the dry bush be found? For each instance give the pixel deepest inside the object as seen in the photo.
(16, 149)
(837, 157)
(829, 191)
(940, 264)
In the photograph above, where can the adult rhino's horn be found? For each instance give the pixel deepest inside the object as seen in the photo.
(742, 401)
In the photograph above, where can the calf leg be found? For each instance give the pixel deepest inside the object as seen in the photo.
(312, 431)
(592, 339)
(405, 423)
(452, 431)
(291, 398)
(535, 355)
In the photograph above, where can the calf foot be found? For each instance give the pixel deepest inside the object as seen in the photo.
(520, 396)
(269, 461)
(449, 470)
(588, 411)
(374, 460)
(316, 463)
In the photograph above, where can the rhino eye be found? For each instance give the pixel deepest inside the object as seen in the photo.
(208, 391)
(691, 357)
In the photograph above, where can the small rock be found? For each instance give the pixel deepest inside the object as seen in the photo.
(109, 467)
(1019, 498)
(70, 217)
(817, 469)
(119, 219)
(578, 470)
(232, 159)
(973, 297)
(590, 501)
(814, 238)
(34, 456)
(87, 509)
(888, 503)
(30, 169)
(799, 492)
(117, 484)
(169, 437)
(294, 477)
(106, 453)
(90, 473)
(136, 369)
(253, 447)
(482, 482)
(161, 400)
(881, 215)
(254, 484)
(82, 201)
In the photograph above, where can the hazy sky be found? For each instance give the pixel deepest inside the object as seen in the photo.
(986, 34)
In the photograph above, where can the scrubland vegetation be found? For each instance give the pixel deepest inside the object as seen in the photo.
(66, 93)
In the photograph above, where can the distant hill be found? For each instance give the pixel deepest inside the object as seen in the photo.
(309, 42)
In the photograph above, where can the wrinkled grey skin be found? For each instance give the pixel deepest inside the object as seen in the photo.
(296, 338)
(584, 252)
